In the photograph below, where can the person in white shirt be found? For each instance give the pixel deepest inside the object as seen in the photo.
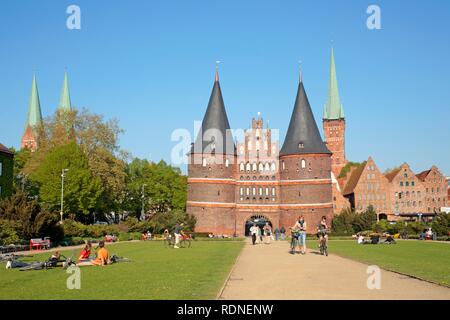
(360, 239)
(254, 232)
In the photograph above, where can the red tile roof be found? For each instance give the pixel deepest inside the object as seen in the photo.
(391, 175)
(354, 179)
(423, 175)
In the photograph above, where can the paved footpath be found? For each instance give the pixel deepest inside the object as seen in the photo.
(270, 272)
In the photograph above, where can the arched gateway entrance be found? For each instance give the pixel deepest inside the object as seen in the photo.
(260, 221)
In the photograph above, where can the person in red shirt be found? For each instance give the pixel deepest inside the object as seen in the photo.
(86, 252)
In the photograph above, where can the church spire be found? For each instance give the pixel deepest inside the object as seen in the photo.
(333, 108)
(303, 136)
(64, 100)
(34, 119)
(34, 116)
(215, 135)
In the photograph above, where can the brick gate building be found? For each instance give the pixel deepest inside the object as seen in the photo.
(228, 185)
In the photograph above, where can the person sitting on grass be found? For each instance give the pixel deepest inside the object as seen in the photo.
(102, 257)
(86, 252)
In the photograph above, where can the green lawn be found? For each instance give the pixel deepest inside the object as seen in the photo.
(423, 259)
(157, 272)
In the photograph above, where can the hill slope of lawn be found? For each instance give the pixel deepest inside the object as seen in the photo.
(156, 272)
(422, 259)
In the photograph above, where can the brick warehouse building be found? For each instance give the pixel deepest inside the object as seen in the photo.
(229, 185)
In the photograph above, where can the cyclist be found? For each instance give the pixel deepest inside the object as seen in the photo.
(322, 230)
(300, 225)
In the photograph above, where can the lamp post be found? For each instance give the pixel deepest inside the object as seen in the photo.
(63, 175)
(143, 202)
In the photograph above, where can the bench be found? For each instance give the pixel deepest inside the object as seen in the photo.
(40, 244)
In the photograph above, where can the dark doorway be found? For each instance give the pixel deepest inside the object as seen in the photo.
(382, 216)
(259, 220)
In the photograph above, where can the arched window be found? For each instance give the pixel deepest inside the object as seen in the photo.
(261, 166)
(303, 163)
(273, 191)
(273, 166)
(248, 191)
(241, 191)
(248, 167)
(204, 162)
(254, 166)
(260, 191)
(283, 165)
(267, 191)
(227, 163)
(267, 167)
(242, 166)
(254, 191)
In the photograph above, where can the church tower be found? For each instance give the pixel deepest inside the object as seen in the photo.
(34, 120)
(334, 122)
(305, 168)
(64, 99)
(211, 170)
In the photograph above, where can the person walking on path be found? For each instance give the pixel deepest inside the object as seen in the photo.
(277, 233)
(267, 232)
(282, 232)
(254, 232)
(301, 226)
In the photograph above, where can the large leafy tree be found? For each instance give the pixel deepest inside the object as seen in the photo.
(165, 187)
(98, 140)
(82, 189)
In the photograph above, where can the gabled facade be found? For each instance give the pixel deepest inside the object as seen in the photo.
(435, 185)
(366, 186)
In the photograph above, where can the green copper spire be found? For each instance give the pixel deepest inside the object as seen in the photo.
(34, 116)
(64, 100)
(333, 108)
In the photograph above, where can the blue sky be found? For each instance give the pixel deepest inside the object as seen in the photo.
(150, 64)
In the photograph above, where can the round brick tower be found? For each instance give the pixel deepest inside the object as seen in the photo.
(305, 169)
(211, 171)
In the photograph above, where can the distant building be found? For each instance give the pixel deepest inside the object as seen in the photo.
(406, 191)
(366, 186)
(6, 171)
(334, 122)
(436, 189)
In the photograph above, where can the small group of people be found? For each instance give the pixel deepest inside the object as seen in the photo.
(375, 239)
(146, 236)
(261, 235)
(298, 233)
(101, 255)
(427, 234)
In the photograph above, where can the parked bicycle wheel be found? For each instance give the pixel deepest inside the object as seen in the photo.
(185, 243)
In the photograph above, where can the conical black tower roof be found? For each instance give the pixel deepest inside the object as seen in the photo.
(303, 136)
(214, 135)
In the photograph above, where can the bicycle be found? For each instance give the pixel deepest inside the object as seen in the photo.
(294, 240)
(169, 241)
(323, 243)
(185, 241)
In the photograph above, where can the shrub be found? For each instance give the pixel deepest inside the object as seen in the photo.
(364, 220)
(441, 224)
(8, 234)
(342, 224)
